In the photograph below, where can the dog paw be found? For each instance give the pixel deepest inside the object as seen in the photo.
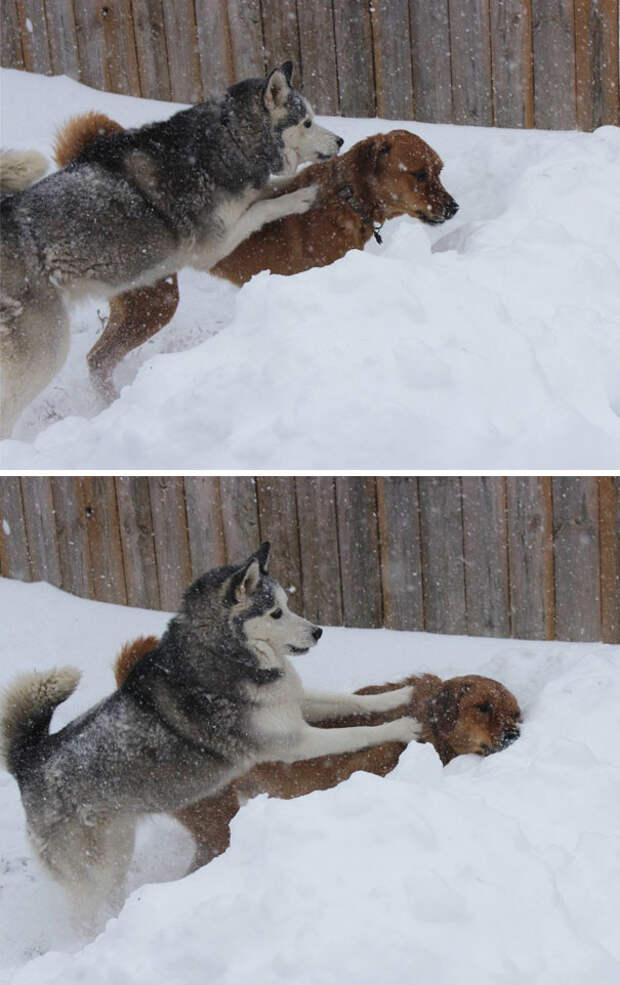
(302, 199)
(409, 729)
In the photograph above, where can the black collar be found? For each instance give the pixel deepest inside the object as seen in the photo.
(345, 192)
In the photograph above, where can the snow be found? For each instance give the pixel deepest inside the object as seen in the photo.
(491, 341)
(491, 871)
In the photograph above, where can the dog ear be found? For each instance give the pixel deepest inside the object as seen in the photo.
(245, 581)
(373, 154)
(446, 703)
(276, 89)
(287, 70)
(262, 556)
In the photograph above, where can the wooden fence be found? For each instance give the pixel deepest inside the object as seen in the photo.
(514, 63)
(527, 557)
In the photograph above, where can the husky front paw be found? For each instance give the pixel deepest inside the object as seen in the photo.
(406, 729)
(299, 201)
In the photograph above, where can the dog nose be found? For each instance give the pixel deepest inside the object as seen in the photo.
(451, 209)
(510, 735)
(317, 632)
(340, 142)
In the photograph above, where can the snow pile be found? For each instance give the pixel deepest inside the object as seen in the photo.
(491, 340)
(487, 872)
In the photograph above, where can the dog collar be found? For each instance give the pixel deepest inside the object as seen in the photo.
(346, 194)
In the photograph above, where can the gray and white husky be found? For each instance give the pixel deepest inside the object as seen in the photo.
(218, 695)
(137, 206)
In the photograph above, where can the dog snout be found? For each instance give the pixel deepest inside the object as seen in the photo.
(510, 735)
(340, 142)
(450, 209)
(317, 632)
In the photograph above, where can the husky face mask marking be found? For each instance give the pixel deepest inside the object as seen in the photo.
(302, 140)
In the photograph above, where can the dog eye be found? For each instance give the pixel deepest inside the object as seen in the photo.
(307, 123)
(485, 707)
(420, 175)
(276, 614)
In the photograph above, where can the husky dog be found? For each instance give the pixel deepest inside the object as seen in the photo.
(215, 697)
(137, 206)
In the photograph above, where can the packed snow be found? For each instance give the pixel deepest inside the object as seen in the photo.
(490, 341)
(491, 871)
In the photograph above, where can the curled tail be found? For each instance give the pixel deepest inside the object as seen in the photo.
(26, 710)
(130, 654)
(80, 131)
(19, 169)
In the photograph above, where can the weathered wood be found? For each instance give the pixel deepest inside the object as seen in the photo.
(281, 33)
(318, 55)
(91, 42)
(204, 523)
(511, 52)
(353, 36)
(239, 517)
(214, 46)
(577, 561)
(486, 556)
(246, 39)
(170, 531)
(392, 51)
(441, 531)
(107, 576)
(553, 38)
(62, 36)
(609, 525)
(182, 47)
(277, 512)
(137, 541)
(151, 50)
(318, 542)
(70, 516)
(430, 49)
(596, 63)
(471, 62)
(119, 45)
(41, 529)
(14, 558)
(35, 41)
(11, 49)
(401, 559)
(358, 541)
(530, 552)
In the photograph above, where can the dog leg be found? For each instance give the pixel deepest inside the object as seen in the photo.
(320, 706)
(208, 821)
(313, 742)
(135, 316)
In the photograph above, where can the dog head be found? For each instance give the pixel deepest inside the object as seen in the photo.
(403, 176)
(300, 139)
(472, 714)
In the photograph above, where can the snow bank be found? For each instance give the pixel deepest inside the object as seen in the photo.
(493, 340)
(487, 872)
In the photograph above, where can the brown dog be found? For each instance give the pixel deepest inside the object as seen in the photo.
(468, 714)
(380, 178)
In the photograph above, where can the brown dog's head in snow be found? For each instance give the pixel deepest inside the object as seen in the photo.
(402, 172)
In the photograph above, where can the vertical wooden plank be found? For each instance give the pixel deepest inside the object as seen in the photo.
(35, 43)
(530, 555)
(511, 52)
(14, 556)
(70, 514)
(596, 62)
(91, 43)
(182, 48)
(358, 540)
(392, 51)
(107, 578)
(214, 47)
(11, 50)
(171, 546)
(246, 39)
(432, 70)
(239, 517)
(353, 36)
(121, 61)
(41, 529)
(441, 530)
(137, 541)
(62, 35)
(609, 525)
(471, 62)
(318, 543)
(401, 558)
(150, 35)
(318, 55)
(486, 556)
(277, 512)
(204, 523)
(281, 34)
(577, 558)
(553, 40)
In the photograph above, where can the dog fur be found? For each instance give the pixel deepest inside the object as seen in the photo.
(469, 714)
(135, 206)
(217, 695)
(358, 191)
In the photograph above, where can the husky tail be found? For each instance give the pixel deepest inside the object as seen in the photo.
(80, 131)
(19, 169)
(26, 711)
(130, 654)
